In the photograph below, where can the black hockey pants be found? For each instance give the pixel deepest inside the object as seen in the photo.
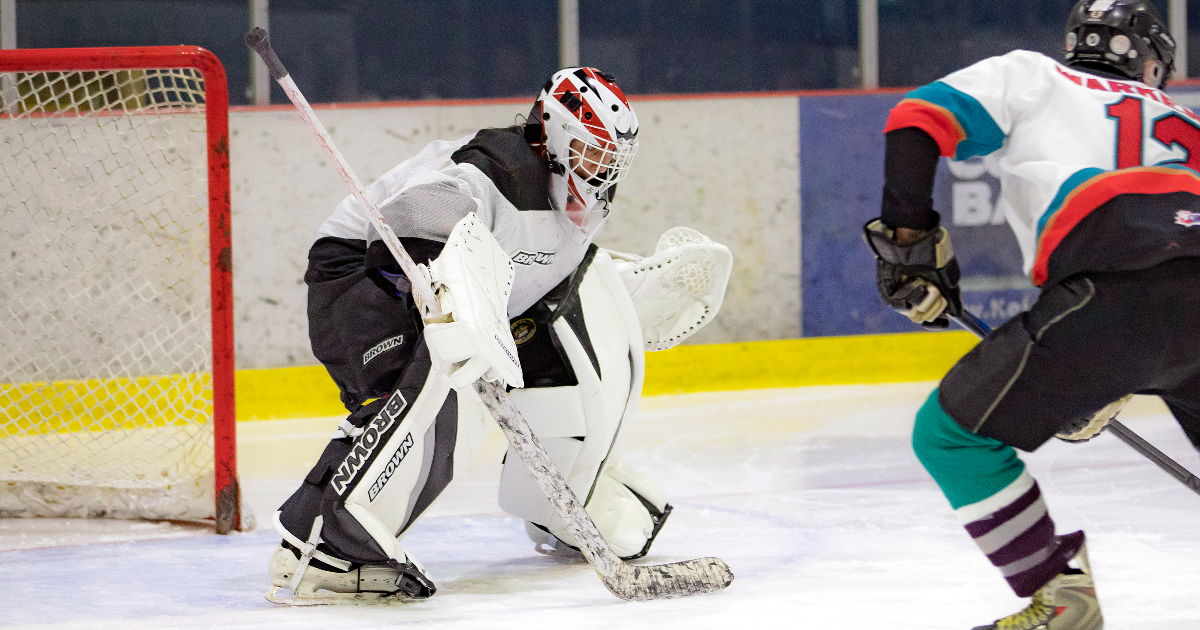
(361, 333)
(1086, 342)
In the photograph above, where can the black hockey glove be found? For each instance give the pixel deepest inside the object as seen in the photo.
(918, 279)
(1084, 428)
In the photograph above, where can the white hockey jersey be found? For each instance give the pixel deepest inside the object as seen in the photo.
(426, 195)
(1097, 174)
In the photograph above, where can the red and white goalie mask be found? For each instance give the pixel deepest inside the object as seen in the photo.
(589, 133)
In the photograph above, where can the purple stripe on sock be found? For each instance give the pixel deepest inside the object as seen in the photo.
(999, 517)
(1027, 582)
(1031, 541)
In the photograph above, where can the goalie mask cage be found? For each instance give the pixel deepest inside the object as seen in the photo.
(116, 322)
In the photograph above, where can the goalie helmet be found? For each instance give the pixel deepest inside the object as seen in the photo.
(1120, 36)
(587, 130)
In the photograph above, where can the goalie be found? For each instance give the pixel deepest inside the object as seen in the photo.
(508, 217)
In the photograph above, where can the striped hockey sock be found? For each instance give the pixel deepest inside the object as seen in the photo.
(1014, 529)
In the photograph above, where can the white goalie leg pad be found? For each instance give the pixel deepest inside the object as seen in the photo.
(620, 511)
(473, 277)
(647, 490)
(679, 289)
(411, 467)
(580, 426)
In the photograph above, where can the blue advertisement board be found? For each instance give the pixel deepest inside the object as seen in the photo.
(841, 183)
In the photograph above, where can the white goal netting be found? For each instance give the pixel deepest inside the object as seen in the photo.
(106, 394)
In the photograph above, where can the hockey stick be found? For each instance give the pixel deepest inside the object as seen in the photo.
(630, 582)
(972, 323)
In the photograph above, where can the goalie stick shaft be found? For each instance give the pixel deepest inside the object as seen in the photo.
(422, 292)
(677, 579)
(972, 323)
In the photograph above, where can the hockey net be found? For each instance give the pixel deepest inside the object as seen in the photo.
(116, 333)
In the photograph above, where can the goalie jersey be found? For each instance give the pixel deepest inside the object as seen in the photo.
(493, 173)
(1097, 173)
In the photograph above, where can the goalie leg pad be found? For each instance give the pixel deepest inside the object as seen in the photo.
(374, 481)
(577, 410)
(629, 521)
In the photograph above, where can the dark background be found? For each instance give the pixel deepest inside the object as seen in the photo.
(366, 50)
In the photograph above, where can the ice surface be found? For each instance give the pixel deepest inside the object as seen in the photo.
(811, 495)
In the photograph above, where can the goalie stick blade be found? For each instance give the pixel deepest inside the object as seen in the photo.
(641, 583)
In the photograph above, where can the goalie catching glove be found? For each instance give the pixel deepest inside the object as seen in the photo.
(918, 279)
(678, 289)
(470, 337)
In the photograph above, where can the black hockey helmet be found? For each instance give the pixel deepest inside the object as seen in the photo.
(1120, 36)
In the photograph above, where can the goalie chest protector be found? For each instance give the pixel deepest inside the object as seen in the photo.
(493, 173)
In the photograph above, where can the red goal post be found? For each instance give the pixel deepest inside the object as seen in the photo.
(151, 103)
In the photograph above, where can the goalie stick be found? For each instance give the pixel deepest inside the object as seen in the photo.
(630, 582)
(972, 323)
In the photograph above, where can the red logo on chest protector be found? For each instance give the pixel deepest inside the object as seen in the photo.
(1187, 218)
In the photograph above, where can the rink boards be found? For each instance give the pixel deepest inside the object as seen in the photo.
(786, 180)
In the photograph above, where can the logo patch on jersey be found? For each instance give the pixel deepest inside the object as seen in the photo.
(528, 258)
(523, 330)
(391, 467)
(1187, 218)
(384, 346)
(365, 445)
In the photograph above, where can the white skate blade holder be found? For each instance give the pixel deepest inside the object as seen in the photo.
(285, 596)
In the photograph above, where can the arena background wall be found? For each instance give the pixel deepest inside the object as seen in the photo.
(784, 180)
(725, 166)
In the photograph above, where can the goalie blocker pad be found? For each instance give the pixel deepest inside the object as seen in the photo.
(473, 277)
(581, 348)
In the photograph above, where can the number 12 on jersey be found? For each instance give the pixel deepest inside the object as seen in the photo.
(1170, 130)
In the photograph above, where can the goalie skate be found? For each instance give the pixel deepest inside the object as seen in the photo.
(363, 584)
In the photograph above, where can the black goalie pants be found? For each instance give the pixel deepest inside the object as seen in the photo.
(1086, 342)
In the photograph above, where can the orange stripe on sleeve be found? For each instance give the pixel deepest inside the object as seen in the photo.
(1149, 180)
(934, 120)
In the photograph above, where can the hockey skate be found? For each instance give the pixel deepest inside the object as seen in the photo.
(1068, 602)
(322, 584)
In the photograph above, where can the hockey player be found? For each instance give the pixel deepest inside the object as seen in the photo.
(1100, 184)
(580, 322)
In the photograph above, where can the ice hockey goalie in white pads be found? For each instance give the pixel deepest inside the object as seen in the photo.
(678, 289)
(392, 457)
(582, 352)
(471, 339)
